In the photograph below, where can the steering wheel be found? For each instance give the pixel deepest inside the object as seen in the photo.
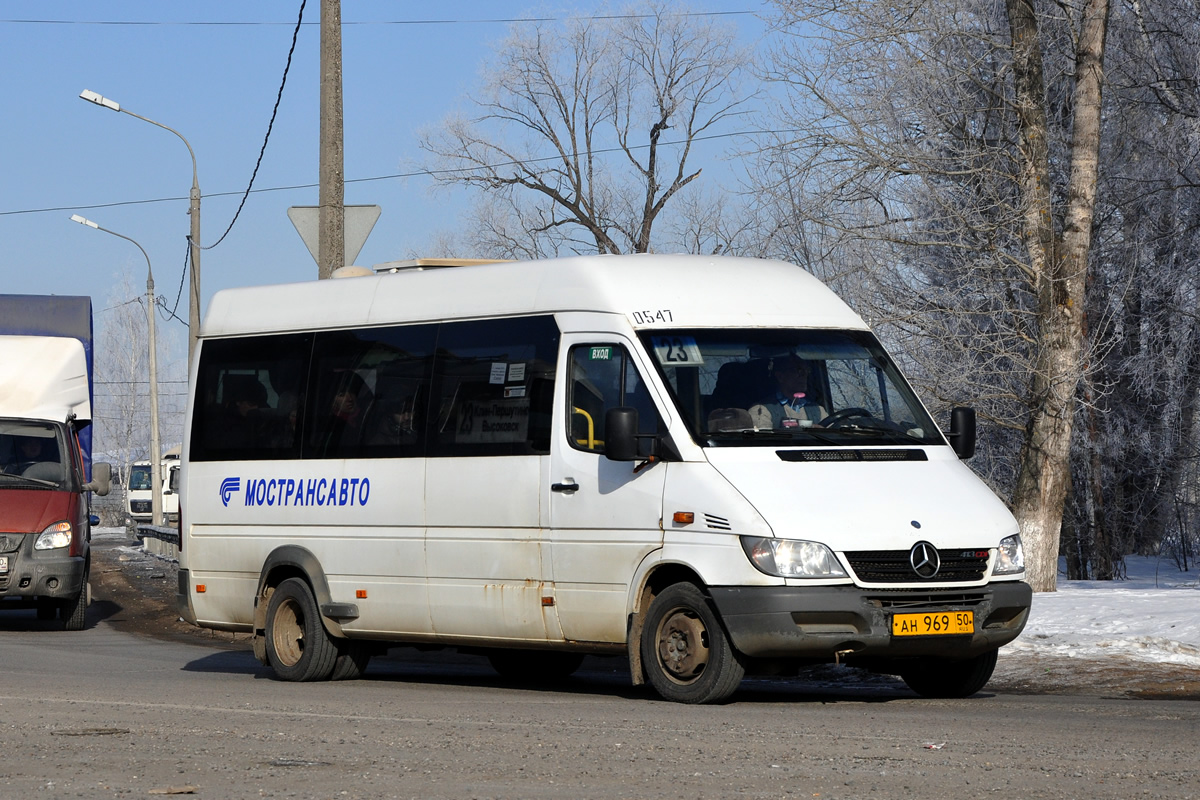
(839, 417)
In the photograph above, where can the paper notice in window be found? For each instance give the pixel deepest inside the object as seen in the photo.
(499, 370)
(516, 373)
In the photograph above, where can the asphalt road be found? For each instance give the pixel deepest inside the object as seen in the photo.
(102, 713)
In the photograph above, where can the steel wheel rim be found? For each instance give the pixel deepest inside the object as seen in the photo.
(287, 633)
(682, 645)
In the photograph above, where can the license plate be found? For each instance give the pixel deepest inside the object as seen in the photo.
(3, 563)
(940, 624)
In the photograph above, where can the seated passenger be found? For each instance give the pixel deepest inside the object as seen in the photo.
(244, 396)
(792, 405)
(394, 424)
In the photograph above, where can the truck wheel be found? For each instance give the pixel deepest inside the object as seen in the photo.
(74, 610)
(687, 656)
(951, 679)
(298, 647)
(534, 665)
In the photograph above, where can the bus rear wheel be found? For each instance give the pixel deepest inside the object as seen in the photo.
(298, 647)
(687, 656)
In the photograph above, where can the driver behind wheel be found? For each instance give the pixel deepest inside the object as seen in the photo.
(27, 450)
(792, 405)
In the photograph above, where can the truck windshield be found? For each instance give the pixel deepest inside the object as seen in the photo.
(139, 477)
(767, 387)
(30, 453)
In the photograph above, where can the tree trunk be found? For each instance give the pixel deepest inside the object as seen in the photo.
(1059, 276)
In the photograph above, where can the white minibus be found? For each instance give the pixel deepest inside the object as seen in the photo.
(707, 465)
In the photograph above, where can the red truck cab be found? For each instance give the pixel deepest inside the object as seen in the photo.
(46, 474)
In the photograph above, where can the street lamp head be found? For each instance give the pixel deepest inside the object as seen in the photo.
(83, 221)
(100, 100)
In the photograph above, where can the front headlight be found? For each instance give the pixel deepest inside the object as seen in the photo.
(57, 535)
(1010, 557)
(792, 558)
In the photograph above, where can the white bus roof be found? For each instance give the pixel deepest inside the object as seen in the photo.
(690, 291)
(43, 377)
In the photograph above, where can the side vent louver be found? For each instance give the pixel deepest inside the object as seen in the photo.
(717, 523)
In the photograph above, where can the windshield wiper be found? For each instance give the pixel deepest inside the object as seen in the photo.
(876, 430)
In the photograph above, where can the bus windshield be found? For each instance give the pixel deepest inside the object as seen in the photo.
(767, 387)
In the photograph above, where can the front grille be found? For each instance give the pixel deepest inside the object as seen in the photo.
(140, 506)
(10, 542)
(916, 599)
(851, 455)
(893, 566)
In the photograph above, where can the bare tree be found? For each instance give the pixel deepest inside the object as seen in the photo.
(122, 416)
(586, 130)
(946, 156)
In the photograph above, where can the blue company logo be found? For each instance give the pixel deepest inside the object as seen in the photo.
(228, 487)
(299, 492)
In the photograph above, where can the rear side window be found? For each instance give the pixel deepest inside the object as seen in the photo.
(249, 398)
(493, 387)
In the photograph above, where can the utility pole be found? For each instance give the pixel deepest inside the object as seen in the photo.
(331, 195)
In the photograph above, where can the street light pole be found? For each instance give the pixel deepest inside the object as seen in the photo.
(193, 212)
(156, 516)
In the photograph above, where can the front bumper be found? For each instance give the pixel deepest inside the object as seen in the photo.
(42, 574)
(855, 624)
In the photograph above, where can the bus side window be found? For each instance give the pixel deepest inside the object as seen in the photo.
(493, 387)
(248, 396)
(370, 388)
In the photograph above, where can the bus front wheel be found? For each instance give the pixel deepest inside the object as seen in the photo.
(687, 656)
(298, 647)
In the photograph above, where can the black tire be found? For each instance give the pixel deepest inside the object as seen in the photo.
(534, 666)
(951, 679)
(685, 652)
(351, 662)
(74, 609)
(298, 647)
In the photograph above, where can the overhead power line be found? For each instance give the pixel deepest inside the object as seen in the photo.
(398, 22)
(394, 176)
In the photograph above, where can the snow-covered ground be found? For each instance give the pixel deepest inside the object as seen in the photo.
(1152, 616)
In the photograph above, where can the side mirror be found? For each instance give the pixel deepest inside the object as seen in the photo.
(620, 434)
(101, 478)
(173, 483)
(962, 432)
(94, 520)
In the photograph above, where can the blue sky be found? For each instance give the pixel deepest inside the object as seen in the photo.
(216, 84)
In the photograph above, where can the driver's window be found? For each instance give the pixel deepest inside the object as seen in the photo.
(602, 376)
